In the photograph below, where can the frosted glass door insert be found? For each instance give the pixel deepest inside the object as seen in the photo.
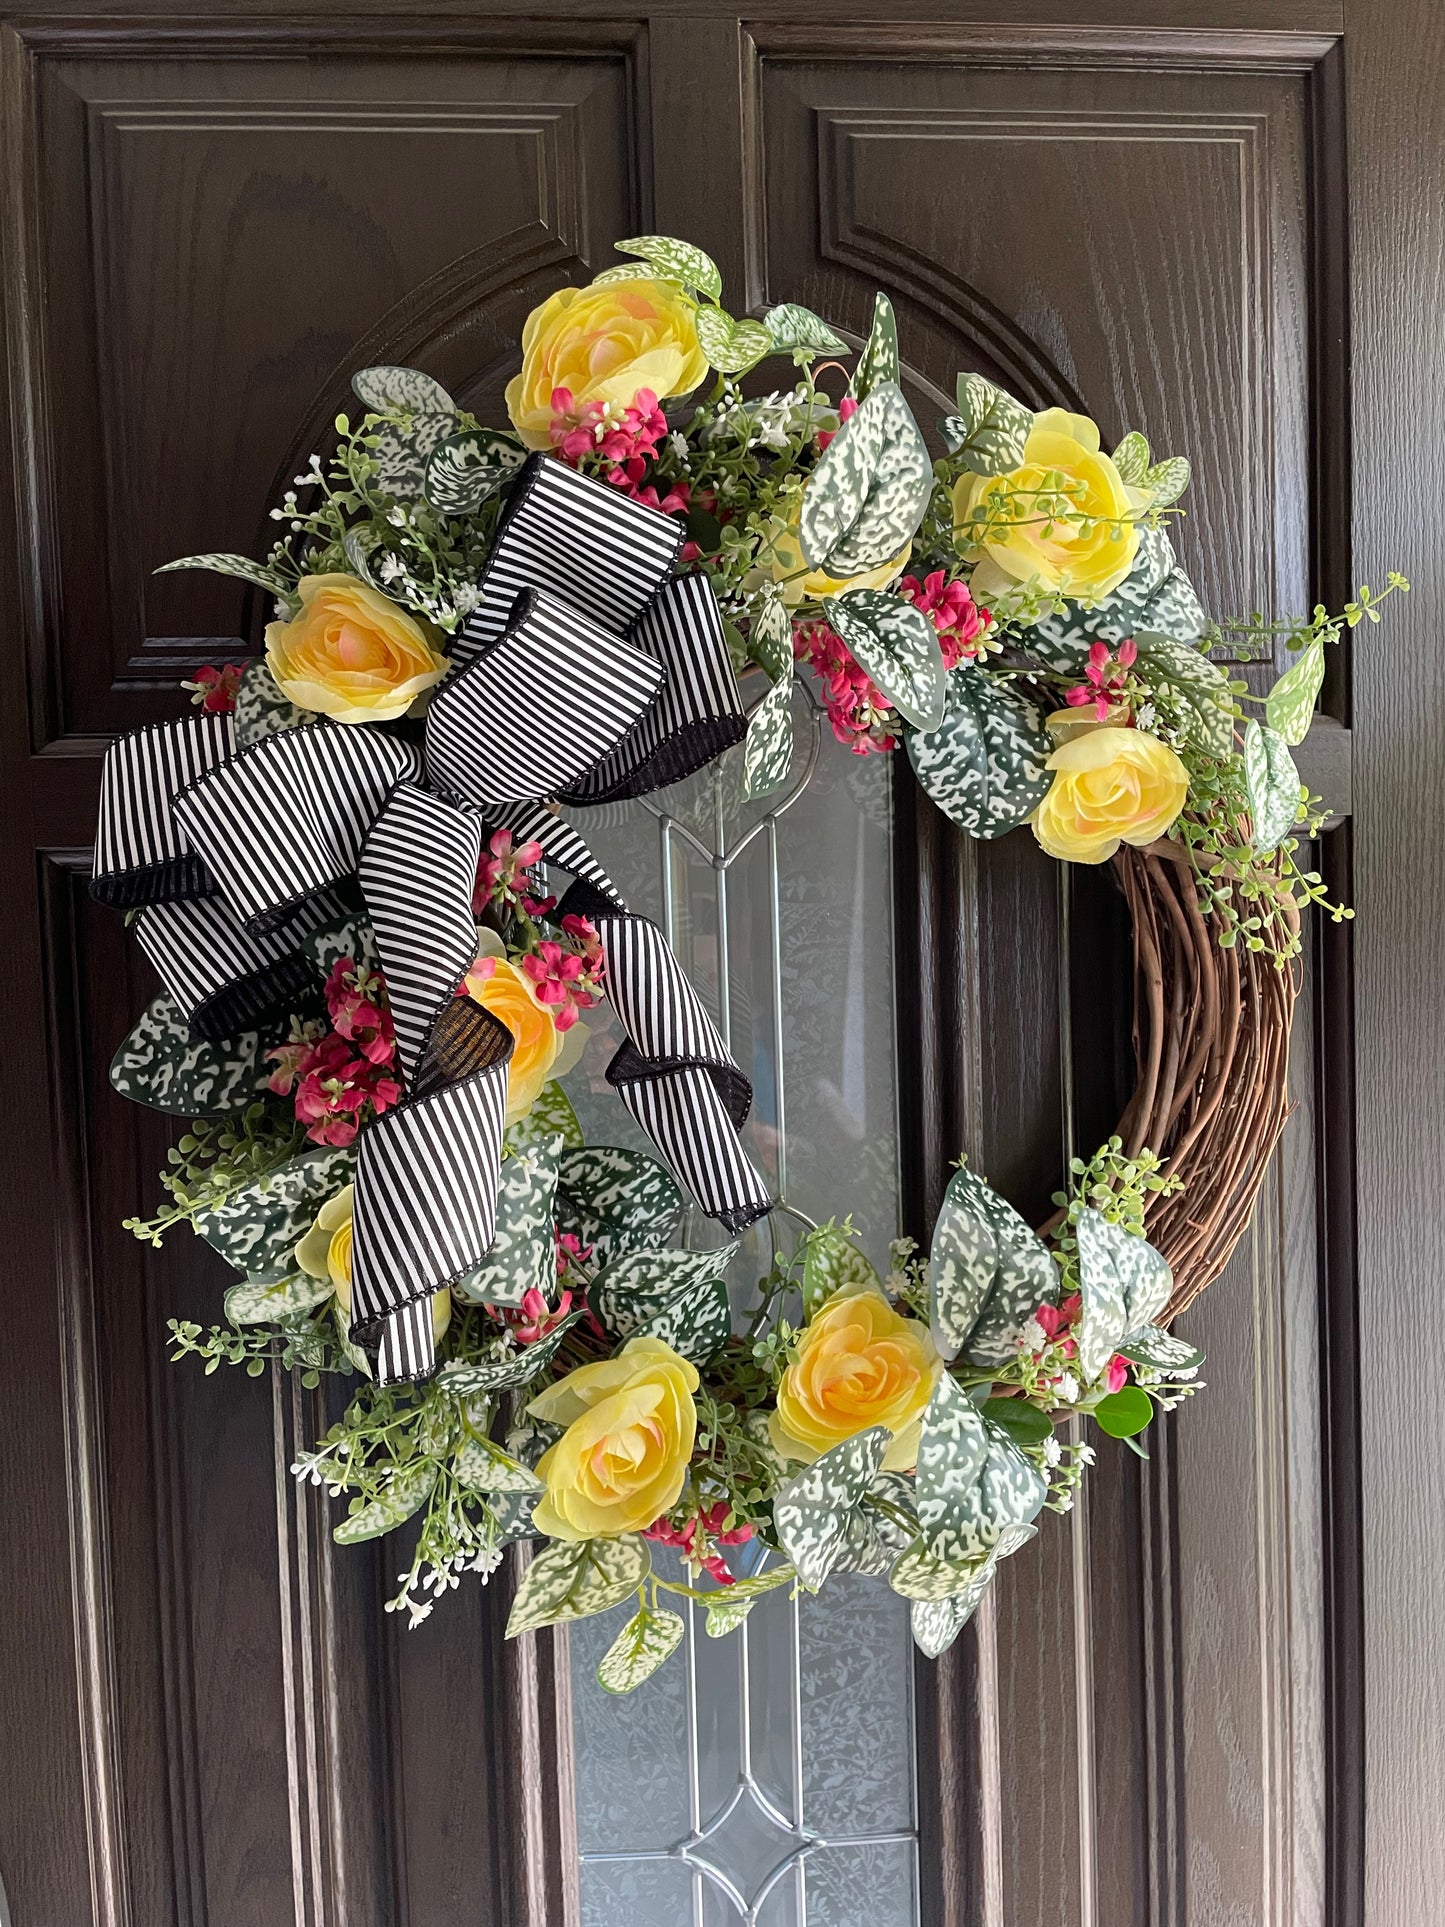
(766, 1777)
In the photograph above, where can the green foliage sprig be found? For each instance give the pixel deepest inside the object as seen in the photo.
(215, 1157)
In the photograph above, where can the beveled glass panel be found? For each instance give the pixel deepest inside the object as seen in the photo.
(766, 1777)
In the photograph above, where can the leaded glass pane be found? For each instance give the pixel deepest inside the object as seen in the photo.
(767, 1777)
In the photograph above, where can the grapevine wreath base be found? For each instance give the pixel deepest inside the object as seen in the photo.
(1211, 1036)
(361, 871)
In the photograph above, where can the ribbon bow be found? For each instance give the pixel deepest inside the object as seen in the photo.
(588, 671)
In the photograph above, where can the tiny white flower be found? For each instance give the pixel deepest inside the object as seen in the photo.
(1053, 1451)
(1032, 1337)
(1068, 1389)
(1086, 1455)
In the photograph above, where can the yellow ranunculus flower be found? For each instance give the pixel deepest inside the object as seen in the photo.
(623, 1459)
(505, 992)
(541, 1051)
(1083, 563)
(325, 1252)
(1111, 786)
(784, 557)
(604, 344)
(859, 1363)
(351, 653)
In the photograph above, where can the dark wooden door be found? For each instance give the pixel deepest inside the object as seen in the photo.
(1133, 208)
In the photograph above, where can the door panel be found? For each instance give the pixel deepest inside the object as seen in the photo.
(209, 1719)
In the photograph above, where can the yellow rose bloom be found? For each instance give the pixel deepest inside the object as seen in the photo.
(351, 653)
(784, 557)
(603, 344)
(1083, 563)
(623, 1459)
(500, 987)
(859, 1363)
(1111, 786)
(325, 1252)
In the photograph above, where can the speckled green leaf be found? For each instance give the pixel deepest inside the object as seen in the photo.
(725, 1614)
(677, 260)
(813, 1510)
(1166, 481)
(1131, 458)
(574, 1581)
(479, 1462)
(162, 1065)
(389, 390)
(732, 347)
(832, 1261)
(259, 574)
(1162, 1352)
(523, 1256)
(257, 1301)
(261, 709)
(1156, 598)
(630, 271)
(349, 936)
(795, 329)
(952, 1450)
(1290, 705)
(847, 529)
(1124, 1284)
(938, 1622)
(988, 434)
(987, 1270)
(1199, 682)
(620, 1186)
(1273, 784)
(407, 1491)
(769, 748)
(878, 362)
(770, 638)
(647, 1641)
(966, 1498)
(728, 1607)
(519, 1367)
(402, 450)
(259, 1226)
(678, 1296)
(984, 764)
(898, 646)
(615, 1201)
(463, 470)
(358, 545)
(882, 1527)
(921, 1574)
(551, 1116)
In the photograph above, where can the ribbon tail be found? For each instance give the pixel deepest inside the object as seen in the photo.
(427, 1170)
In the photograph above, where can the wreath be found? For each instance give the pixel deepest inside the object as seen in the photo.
(347, 867)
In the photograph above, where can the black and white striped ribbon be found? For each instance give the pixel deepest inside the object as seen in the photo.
(509, 727)
(141, 851)
(587, 668)
(221, 978)
(698, 713)
(288, 816)
(427, 1171)
(575, 539)
(674, 1073)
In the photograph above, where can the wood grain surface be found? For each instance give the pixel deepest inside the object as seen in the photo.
(1397, 174)
(1134, 206)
